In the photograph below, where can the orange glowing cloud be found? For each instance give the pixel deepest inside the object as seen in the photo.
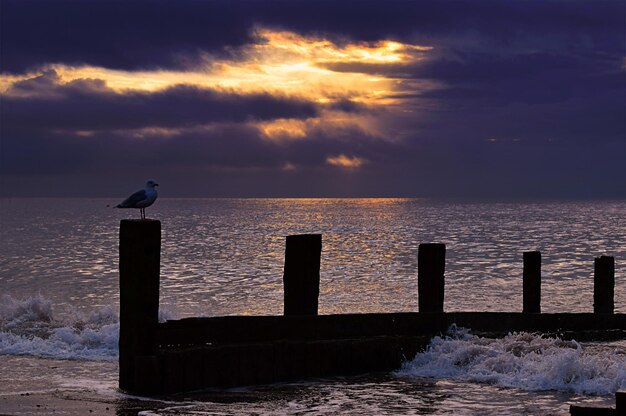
(293, 47)
(282, 128)
(279, 63)
(288, 166)
(345, 162)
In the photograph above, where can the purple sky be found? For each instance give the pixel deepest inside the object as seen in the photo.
(480, 99)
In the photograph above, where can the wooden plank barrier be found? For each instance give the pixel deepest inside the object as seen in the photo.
(220, 352)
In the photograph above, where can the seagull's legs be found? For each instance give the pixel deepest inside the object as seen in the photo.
(143, 213)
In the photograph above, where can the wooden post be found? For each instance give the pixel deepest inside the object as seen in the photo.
(620, 402)
(603, 284)
(532, 282)
(301, 278)
(140, 252)
(431, 263)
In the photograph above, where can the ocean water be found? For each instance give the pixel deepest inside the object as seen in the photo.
(59, 296)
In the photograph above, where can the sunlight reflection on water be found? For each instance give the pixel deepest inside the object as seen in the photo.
(225, 256)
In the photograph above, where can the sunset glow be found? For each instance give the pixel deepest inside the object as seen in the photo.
(284, 129)
(278, 63)
(345, 162)
(279, 97)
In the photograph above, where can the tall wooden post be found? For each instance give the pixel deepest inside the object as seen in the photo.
(532, 282)
(431, 263)
(603, 284)
(301, 278)
(140, 255)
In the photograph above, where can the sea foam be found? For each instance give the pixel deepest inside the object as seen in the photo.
(522, 360)
(30, 327)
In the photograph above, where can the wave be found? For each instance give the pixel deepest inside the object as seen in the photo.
(30, 327)
(522, 360)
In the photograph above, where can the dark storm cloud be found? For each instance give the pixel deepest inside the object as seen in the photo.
(234, 161)
(42, 103)
(223, 146)
(157, 33)
(116, 34)
(55, 153)
(528, 96)
(507, 76)
(528, 77)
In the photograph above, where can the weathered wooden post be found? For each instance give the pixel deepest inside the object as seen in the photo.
(603, 284)
(531, 276)
(301, 278)
(140, 254)
(431, 263)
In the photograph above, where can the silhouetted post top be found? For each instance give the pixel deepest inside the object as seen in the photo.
(531, 277)
(603, 284)
(301, 277)
(431, 264)
(139, 220)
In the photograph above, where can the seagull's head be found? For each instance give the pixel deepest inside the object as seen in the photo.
(151, 184)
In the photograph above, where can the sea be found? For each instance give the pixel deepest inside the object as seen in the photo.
(59, 298)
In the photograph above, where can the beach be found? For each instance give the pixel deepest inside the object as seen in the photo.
(60, 299)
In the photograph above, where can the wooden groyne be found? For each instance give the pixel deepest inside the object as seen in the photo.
(196, 353)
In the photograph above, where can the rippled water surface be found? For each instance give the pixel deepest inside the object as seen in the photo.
(225, 256)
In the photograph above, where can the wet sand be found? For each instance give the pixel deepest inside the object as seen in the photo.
(73, 404)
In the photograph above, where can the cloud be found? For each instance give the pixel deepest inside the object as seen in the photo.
(117, 34)
(232, 160)
(346, 162)
(43, 103)
(283, 98)
(225, 146)
(276, 62)
(278, 83)
(162, 34)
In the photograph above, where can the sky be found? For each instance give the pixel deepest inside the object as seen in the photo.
(293, 98)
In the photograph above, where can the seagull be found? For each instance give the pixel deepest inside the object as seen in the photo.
(141, 199)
